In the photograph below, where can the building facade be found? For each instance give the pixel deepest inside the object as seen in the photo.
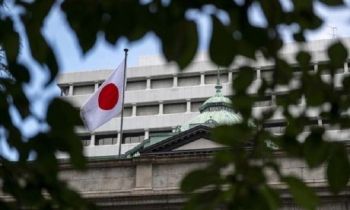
(166, 130)
(159, 97)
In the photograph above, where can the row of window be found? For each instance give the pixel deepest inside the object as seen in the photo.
(154, 84)
(187, 81)
(174, 108)
(279, 127)
(128, 138)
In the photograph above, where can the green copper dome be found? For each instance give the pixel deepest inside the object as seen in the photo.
(216, 110)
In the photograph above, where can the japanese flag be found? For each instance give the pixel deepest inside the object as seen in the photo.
(106, 102)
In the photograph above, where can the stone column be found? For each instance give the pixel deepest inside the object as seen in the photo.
(202, 78)
(92, 141)
(143, 176)
(303, 100)
(146, 134)
(148, 86)
(316, 67)
(273, 99)
(160, 108)
(346, 68)
(188, 105)
(258, 73)
(70, 90)
(175, 81)
(133, 114)
(230, 77)
(96, 86)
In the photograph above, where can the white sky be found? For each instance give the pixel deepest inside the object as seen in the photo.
(106, 56)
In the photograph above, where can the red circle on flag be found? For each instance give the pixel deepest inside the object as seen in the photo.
(108, 97)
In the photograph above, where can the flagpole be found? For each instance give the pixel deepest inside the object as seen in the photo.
(122, 115)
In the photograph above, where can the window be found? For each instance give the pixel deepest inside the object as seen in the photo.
(312, 123)
(126, 113)
(174, 108)
(275, 127)
(106, 139)
(85, 140)
(160, 132)
(212, 78)
(298, 69)
(65, 91)
(161, 83)
(130, 138)
(136, 85)
(195, 106)
(263, 101)
(147, 110)
(290, 97)
(323, 68)
(83, 89)
(329, 125)
(266, 74)
(189, 81)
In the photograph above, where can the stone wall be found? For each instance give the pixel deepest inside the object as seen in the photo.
(165, 173)
(154, 182)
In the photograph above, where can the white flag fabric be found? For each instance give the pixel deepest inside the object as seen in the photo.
(106, 102)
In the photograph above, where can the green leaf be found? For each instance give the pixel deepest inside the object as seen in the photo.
(61, 111)
(315, 149)
(337, 54)
(180, 43)
(205, 200)
(333, 2)
(302, 194)
(338, 169)
(234, 135)
(272, 196)
(199, 178)
(222, 51)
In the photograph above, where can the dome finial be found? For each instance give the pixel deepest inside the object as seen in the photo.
(218, 85)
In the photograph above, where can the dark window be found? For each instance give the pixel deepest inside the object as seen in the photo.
(263, 101)
(266, 74)
(85, 140)
(298, 69)
(312, 123)
(291, 98)
(275, 127)
(106, 139)
(324, 68)
(64, 91)
(129, 138)
(161, 131)
(328, 125)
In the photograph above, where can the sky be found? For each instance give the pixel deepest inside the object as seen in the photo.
(106, 56)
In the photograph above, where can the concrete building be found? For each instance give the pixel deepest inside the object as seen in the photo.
(167, 118)
(159, 97)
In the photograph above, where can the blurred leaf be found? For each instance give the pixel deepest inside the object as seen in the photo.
(333, 2)
(180, 43)
(235, 135)
(315, 149)
(338, 169)
(337, 54)
(62, 110)
(272, 197)
(199, 178)
(221, 50)
(302, 194)
(205, 200)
